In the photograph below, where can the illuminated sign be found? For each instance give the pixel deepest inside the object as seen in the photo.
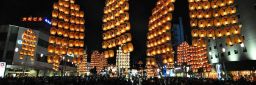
(2, 69)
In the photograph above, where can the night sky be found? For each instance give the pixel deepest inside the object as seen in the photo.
(140, 11)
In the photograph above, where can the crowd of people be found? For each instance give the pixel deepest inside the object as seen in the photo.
(116, 81)
(195, 81)
(63, 81)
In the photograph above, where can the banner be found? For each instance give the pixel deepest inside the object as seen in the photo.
(2, 69)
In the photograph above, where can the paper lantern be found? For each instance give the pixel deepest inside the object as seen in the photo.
(125, 49)
(200, 14)
(76, 43)
(232, 10)
(193, 23)
(217, 22)
(192, 6)
(77, 7)
(61, 15)
(81, 43)
(55, 6)
(202, 33)
(106, 54)
(58, 40)
(202, 43)
(64, 42)
(195, 42)
(190, 1)
(207, 14)
(81, 28)
(49, 59)
(51, 39)
(77, 35)
(229, 41)
(21, 57)
(65, 33)
(111, 53)
(170, 59)
(76, 51)
(60, 31)
(63, 50)
(206, 5)
(66, 25)
(229, 1)
(57, 50)
(80, 51)
(55, 13)
(215, 13)
(130, 47)
(234, 20)
(238, 39)
(70, 51)
(210, 33)
(227, 32)
(50, 49)
(74, 60)
(235, 30)
(199, 7)
(71, 43)
(194, 33)
(165, 61)
(54, 22)
(214, 4)
(202, 23)
(72, 1)
(104, 46)
(153, 63)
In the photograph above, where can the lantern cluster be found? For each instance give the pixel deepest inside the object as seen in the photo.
(95, 60)
(151, 62)
(115, 26)
(122, 59)
(183, 55)
(150, 67)
(103, 62)
(150, 72)
(82, 67)
(29, 40)
(199, 59)
(159, 30)
(98, 61)
(67, 32)
(168, 58)
(214, 18)
(194, 56)
(31, 19)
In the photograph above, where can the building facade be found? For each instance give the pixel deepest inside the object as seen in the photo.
(12, 43)
(230, 37)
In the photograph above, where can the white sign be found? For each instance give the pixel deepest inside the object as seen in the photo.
(2, 69)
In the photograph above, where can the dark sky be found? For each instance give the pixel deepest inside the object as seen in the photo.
(140, 11)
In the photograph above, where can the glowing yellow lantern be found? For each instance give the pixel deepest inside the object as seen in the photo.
(238, 39)
(235, 30)
(193, 23)
(130, 47)
(210, 33)
(202, 33)
(227, 31)
(50, 49)
(229, 41)
(194, 33)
